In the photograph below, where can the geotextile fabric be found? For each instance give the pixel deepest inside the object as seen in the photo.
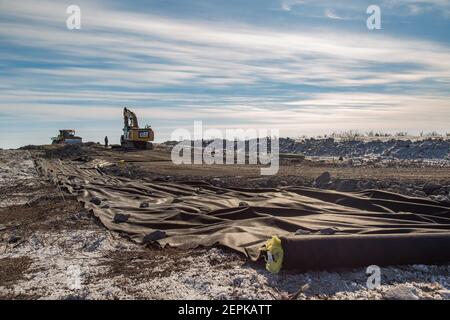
(319, 229)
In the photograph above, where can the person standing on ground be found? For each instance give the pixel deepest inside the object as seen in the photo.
(106, 141)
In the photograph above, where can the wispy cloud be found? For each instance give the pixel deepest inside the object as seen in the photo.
(418, 7)
(332, 15)
(287, 5)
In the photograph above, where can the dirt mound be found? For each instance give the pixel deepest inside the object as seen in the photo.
(67, 151)
(32, 147)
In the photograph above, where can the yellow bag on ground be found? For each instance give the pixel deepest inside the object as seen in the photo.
(275, 254)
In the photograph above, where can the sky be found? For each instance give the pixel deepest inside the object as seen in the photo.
(305, 67)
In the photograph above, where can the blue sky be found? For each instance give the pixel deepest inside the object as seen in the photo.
(301, 66)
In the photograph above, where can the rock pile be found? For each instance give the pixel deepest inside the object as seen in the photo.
(425, 149)
(433, 190)
(399, 149)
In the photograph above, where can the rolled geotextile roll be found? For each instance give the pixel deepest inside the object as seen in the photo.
(342, 251)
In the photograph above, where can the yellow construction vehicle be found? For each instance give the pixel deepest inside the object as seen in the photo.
(66, 136)
(133, 136)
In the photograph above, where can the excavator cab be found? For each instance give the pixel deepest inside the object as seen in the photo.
(134, 137)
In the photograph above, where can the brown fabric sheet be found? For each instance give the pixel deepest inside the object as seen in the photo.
(187, 215)
(340, 251)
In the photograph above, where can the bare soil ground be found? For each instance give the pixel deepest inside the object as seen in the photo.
(52, 248)
(159, 162)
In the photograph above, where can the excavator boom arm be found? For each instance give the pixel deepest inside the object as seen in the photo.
(130, 119)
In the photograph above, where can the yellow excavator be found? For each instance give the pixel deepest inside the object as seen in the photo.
(134, 137)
